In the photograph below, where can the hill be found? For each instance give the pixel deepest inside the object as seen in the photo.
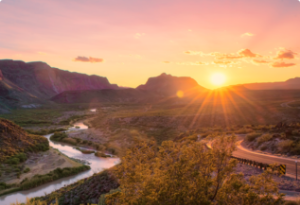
(169, 85)
(106, 96)
(15, 140)
(36, 82)
(291, 84)
(163, 88)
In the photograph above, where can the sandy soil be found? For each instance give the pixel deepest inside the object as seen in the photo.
(40, 163)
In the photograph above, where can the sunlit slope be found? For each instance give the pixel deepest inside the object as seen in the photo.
(14, 140)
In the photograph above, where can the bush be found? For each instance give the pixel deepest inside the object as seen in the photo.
(16, 159)
(58, 136)
(285, 146)
(51, 176)
(264, 138)
(296, 149)
(13, 160)
(295, 132)
(26, 170)
(101, 154)
(252, 136)
(263, 148)
(243, 131)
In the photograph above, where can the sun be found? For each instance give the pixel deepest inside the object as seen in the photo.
(218, 79)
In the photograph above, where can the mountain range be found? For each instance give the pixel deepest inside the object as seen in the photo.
(36, 82)
(26, 84)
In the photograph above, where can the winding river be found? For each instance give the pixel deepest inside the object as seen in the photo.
(97, 165)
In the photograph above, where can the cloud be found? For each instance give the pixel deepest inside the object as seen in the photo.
(247, 53)
(223, 62)
(194, 53)
(285, 54)
(247, 34)
(90, 59)
(191, 63)
(281, 64)
(166, 62)
(243, 53)
(42, 53)
(138, 35)
(258, 62)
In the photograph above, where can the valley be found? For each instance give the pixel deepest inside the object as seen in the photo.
(88, 129)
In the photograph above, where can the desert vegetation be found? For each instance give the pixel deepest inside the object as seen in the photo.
(13, 153)
(284, 140)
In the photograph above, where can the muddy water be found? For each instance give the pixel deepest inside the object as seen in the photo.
(97, 164)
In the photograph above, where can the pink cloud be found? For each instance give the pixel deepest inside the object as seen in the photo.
(247, 53)
(285, 54)
(90, 59)
(281, 64)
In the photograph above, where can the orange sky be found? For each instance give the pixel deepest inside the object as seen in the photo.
(129, 41)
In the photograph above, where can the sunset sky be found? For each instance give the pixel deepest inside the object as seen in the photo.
(129, 41)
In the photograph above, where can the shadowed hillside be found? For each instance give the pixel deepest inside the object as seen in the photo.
(22, 83)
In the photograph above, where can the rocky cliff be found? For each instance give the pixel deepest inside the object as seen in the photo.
(169, 85)
(22, 83)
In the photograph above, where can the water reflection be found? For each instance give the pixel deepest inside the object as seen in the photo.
(97, 165)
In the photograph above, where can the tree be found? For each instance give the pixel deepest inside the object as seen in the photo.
(186, 172)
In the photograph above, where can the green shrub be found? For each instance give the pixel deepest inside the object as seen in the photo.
(58, 136)
(51, 176)
(264, 138)
(45, 131)
(26, 170)
(252, 136)
(13, 160)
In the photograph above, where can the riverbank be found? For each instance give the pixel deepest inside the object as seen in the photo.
(97, 164)
(38, 164)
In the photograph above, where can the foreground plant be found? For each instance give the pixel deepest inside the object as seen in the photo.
(187, 173)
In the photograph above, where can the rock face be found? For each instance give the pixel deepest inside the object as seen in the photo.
(170, 85)
(162, 88)
(22, 82)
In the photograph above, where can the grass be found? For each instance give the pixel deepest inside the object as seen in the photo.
(30, 117)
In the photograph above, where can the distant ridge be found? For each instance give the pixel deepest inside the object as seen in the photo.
(291, 84)
(161, 89)
(170, 85)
